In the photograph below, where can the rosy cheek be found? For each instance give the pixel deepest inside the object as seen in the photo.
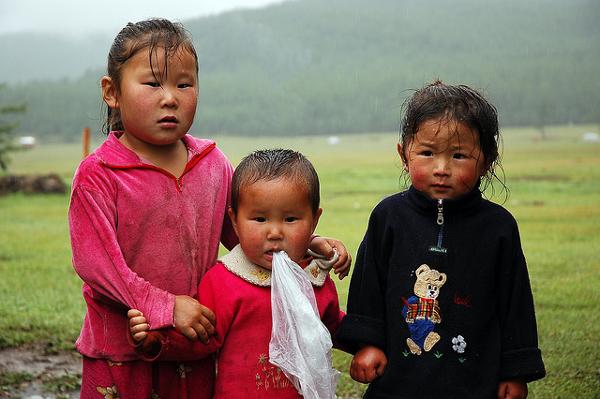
(469, 178)
(418, 177)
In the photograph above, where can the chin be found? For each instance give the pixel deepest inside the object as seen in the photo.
(445, 195)
(265, 264)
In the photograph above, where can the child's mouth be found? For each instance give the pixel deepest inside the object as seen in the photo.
(441, 186)
(168, 121)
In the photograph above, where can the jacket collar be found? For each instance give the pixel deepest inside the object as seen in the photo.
(237, 263)
(425, 204)
(113, 153)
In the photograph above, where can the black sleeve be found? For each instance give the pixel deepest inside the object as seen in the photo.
(364, 323)
(521, 357)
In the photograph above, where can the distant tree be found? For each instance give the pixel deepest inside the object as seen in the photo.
(7, 140)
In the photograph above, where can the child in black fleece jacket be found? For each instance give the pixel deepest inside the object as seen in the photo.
(440, 304)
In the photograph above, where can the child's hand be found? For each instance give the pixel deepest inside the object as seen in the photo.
(138, 327)
(324, 246)
(192, 319)
(368, 364)
(512, 390)
(148, 343)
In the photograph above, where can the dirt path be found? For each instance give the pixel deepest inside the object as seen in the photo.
(28, 373)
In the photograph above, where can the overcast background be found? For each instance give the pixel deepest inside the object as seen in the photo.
(311, 66)
(72, 17)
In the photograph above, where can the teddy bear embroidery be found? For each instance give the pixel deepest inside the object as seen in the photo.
(422, 312)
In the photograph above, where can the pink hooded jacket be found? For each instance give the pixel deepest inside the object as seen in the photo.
(140, 236)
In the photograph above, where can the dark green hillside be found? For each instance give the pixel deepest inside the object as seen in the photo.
(39, 56)
(314, 66)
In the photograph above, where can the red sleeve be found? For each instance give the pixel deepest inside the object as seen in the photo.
(329, 308)
(171, 345)
(216, 293)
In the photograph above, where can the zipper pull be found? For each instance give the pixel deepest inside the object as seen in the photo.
(438, 248)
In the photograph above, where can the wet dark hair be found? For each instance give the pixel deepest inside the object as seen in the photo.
(273, 164)
(151, 34)
(460, 103)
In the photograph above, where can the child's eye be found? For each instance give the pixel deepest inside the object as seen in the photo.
(184, 85)
(426, 153)
(152, 84)
(459, 156)
(290, 219)
(260, 219)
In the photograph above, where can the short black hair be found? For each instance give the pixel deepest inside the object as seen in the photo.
(272, 164)
(454, 102)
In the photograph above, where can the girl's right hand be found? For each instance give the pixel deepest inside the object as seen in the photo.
(368, 363)
(193, 319)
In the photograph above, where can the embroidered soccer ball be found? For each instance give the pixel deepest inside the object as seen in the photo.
(421, 311)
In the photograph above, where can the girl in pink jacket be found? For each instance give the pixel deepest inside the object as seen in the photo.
(147, 213)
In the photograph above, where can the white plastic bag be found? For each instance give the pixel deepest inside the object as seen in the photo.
(300, 343)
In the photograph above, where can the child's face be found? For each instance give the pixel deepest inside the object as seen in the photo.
(273, 216)
(155, 113)
(444, 159)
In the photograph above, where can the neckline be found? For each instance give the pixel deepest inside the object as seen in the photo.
(237, 263)
(424, 203)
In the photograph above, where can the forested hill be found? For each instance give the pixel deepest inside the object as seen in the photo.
(331, 66)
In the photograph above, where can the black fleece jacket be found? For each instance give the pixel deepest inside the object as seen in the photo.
(487, 332)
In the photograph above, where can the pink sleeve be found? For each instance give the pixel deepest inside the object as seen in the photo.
(98, 260)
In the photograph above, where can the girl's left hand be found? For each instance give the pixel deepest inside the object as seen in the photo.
(513, 389)
(324, 246)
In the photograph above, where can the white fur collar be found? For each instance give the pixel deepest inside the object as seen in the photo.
(237, 263)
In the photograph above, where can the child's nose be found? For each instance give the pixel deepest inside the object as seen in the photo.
(441, 166)
(274, 232)
(169, 98)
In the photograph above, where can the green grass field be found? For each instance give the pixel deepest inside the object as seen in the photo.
(554, 194)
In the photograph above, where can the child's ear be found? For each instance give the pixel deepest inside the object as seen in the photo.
(231, 214)
(109, 92)
(316, 217)
(400, 149)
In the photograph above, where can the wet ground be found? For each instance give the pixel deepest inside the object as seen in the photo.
(30, 373)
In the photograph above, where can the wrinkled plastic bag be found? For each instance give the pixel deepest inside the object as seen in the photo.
(300, 343)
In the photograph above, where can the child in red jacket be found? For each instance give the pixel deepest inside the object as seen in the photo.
(275, 207)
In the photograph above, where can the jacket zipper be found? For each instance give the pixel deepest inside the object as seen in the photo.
(440, 222)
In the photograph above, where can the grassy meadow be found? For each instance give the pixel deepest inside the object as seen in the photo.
(554, 194)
